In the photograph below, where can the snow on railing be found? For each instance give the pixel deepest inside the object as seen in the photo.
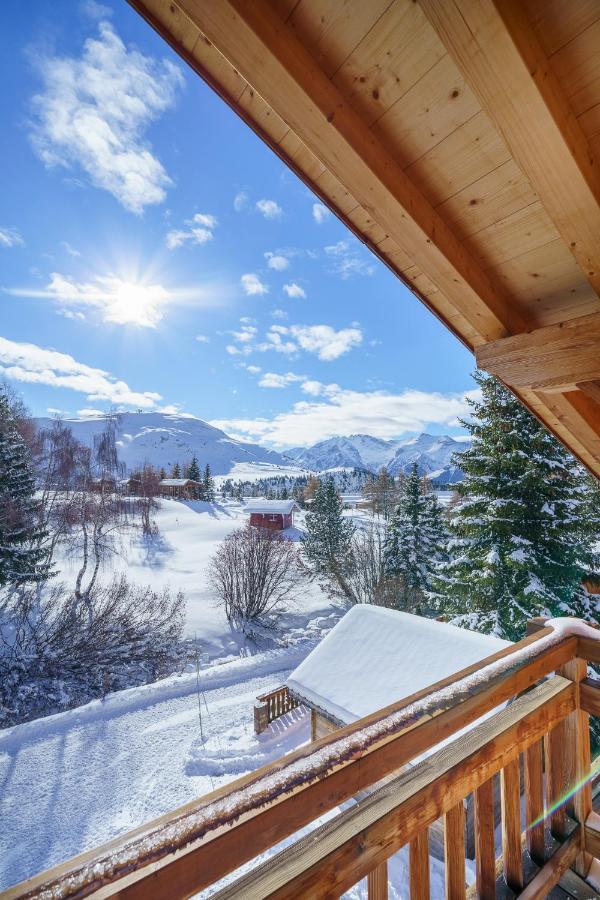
(411, 727)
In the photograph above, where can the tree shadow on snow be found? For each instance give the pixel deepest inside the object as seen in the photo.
(215, 510)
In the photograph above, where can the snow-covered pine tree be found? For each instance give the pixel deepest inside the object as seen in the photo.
(176, 471)
(162, 474)
(521, 536)
(208, 485)
(415, 542)
(194, 470)
(328, 539)
(22, 557)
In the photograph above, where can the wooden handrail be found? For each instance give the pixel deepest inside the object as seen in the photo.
(345, 849)
(181, 853)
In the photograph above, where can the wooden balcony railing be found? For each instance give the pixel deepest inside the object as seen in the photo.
(271, 706)
(536, 702)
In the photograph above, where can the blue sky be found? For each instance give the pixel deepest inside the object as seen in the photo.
(156, 255)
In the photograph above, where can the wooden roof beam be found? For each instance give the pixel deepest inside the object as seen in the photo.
(498, 54)
(251, 36)
(553, 359)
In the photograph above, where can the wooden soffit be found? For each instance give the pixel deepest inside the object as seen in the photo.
(459, 140)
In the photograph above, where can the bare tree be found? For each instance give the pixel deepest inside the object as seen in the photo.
(148, 488)
(54, 655)
(254, 573)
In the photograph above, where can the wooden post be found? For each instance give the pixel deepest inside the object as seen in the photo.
(485, 851)
(577, 751)
(555, 749)
(534, 801)
(377, 883)
(419, 866)
(510, 781)
(261, 716)
(454, 852)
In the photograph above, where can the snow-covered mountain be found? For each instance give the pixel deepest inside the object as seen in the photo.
(432, 453)
(162, 440)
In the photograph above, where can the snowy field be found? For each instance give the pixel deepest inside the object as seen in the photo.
(77, 779)
(189, 534)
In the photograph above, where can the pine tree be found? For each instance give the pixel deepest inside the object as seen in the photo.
(328, 540)
(194, 470)
(22, 557)
(522, 533)
(415, 542)
(208, 485)
(162, 474)
(176, 471)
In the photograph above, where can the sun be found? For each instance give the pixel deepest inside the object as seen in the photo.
(134, 303)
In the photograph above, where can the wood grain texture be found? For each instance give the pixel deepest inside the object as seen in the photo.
(377, 883)
(418, 859)
(454, 852)
(485, 851)
(534, 800)
(511, 825)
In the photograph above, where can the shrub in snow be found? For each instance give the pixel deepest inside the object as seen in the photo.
(254, 574)
(522, 535)
(56, 653)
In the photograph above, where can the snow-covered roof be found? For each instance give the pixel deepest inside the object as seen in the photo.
(376, 656)
(177, 482)
(260, 505)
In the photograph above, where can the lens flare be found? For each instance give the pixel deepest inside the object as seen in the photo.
(564, 798)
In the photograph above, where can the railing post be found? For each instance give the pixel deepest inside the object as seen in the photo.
(485, 851)
(454, 852)
(510, 781)
(577, 752)
(377, 883)
(534, 802)
(418, 857)
(261, 715)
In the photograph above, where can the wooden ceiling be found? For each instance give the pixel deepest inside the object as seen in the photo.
(460, 141)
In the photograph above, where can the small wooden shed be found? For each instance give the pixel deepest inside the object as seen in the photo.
(273, 514)
(374, 657)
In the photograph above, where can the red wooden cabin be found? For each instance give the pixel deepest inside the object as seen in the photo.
(274, 514)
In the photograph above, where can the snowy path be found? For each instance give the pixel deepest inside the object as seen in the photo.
(73, 781)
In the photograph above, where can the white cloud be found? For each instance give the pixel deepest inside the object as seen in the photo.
(345, 412)
(254, 370)
(202, 339)
(36, 365)
(252, 285)
(89, 412)
(94, 111)
(345, 259)
(274, 380)
(95, 10)
(269, 209)
(279, 314)
(320, 213)
(294, 290)
(117, 299)
(200, 230)
(69, 249)
(240, 201)
(277, 261)
(322, 341)
(10, 237)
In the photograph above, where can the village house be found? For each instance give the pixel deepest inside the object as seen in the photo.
(180, 488)
(276, 515)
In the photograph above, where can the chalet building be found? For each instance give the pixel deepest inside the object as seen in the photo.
(180, 488)
(375, 657)
(459, 142)
(276, 515)
(103, 485)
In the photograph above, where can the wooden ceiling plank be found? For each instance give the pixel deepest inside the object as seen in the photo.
(591, 389)
(554, 359)
(502, 60)
(287, 77)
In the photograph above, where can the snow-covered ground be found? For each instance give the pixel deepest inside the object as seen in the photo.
(189, 534)
(77, 779)
(255, 471)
